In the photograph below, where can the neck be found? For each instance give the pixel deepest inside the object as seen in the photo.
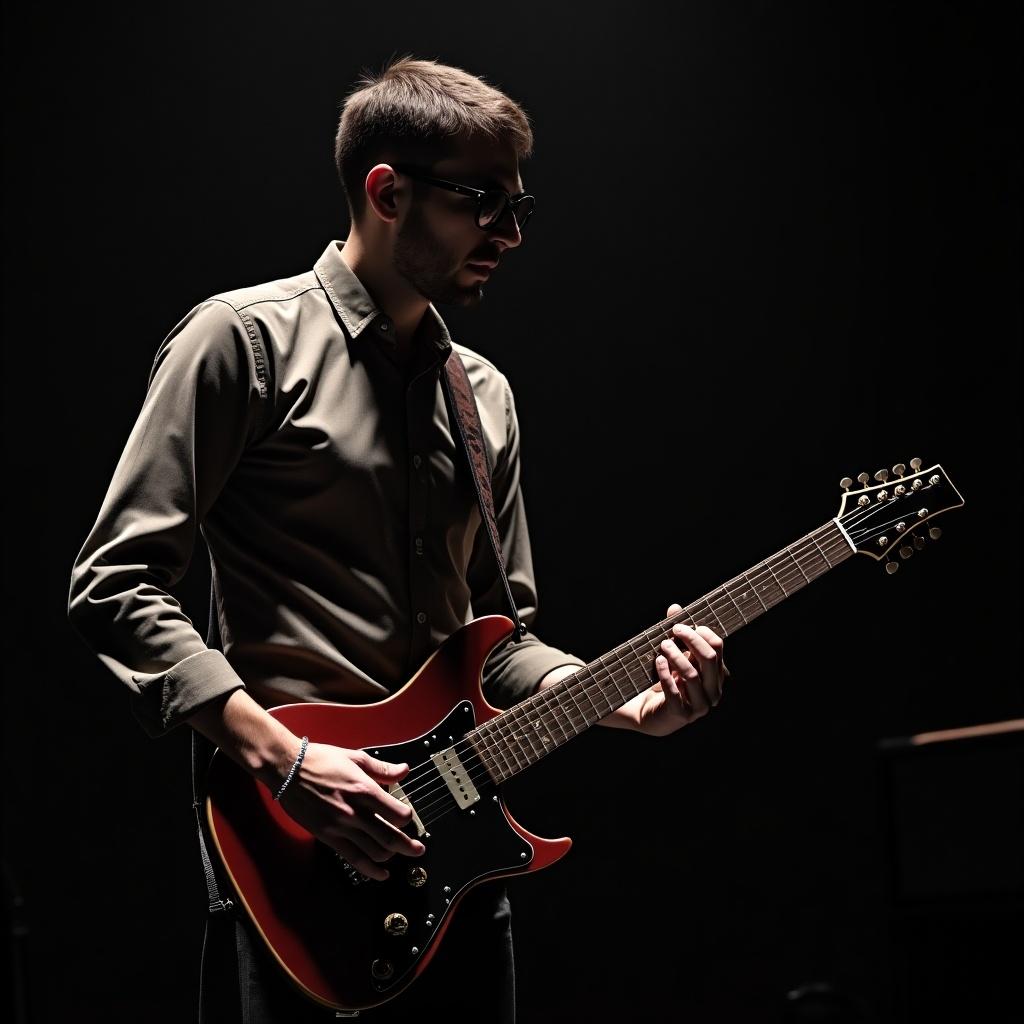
(390, 292)
(538, 725)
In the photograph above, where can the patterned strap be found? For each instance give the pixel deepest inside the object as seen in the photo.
(463, 412)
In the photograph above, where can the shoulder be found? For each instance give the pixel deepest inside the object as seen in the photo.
(495, 401)
(489, 383)
(281, 290)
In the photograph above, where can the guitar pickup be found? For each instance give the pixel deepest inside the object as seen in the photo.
(456, 777)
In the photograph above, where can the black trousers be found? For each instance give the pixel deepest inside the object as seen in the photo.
(470, 980)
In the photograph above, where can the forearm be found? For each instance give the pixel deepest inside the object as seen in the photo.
(617, 719)
(249, 735)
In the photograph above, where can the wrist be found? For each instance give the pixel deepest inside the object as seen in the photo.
(250, 736)
(272, 759)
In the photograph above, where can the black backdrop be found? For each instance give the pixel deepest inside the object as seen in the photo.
(775, 244)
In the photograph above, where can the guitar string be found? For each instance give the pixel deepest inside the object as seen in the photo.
(530, 717)
(615, 673)
(437, 787)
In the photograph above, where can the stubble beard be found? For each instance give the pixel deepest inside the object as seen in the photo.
(429, 267)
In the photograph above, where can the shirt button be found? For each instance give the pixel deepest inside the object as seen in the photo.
(384, 325)
(421, 617)
(417, 461)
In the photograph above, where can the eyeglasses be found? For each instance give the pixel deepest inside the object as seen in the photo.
(491, 204)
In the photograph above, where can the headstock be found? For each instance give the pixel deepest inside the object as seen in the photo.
(885, 520)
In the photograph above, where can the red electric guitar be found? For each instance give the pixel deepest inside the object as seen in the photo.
(350, 942)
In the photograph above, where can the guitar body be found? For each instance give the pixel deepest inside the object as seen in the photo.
(350, 942)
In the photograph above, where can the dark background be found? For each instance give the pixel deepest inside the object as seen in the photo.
(775, 244)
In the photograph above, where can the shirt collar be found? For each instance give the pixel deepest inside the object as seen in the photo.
(357, 310)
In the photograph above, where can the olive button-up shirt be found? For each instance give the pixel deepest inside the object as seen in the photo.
(342, 526)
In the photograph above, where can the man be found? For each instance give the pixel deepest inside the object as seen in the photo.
(301, 426)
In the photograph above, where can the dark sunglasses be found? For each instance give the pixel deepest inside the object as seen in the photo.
(491, 204)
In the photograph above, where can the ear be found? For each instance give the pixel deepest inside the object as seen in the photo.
(381, 197)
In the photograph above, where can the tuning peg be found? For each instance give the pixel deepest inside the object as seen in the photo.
(899, 469)
(846, 483)
(915, 464)
(918, 542)
(934, 532)
(891, 567)
(906, 551)
(882, 475)
(864, 478)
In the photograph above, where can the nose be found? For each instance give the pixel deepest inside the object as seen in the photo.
(506, 230)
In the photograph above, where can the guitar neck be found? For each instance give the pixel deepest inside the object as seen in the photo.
(540, 724)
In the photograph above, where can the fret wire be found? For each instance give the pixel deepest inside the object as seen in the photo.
(611, 676)
(823, 555)
(722, 631)
(526, 726)
(754, 591)
(503, 748)
(505, 729)
(796, 562)
(778, 583)
(625, 667)
(522, 721)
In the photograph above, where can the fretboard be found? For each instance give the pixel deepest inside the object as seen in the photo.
(540, 724)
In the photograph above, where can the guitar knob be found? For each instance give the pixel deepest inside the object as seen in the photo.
(846, 483)
(891, 567)
(417, 876)
(382, 969)
(882, 475)
(899, 469)
(934, 532)
(915, 464)
(396, 924)
(864, 478)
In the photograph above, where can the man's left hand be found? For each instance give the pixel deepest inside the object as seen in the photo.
(691, 675)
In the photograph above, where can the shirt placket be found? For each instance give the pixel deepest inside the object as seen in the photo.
(419, 417)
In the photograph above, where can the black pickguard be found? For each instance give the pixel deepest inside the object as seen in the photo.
(464, 845)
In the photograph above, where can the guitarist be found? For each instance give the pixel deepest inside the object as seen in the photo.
(300, 426)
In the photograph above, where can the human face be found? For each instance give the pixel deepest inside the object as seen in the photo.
(439, 240)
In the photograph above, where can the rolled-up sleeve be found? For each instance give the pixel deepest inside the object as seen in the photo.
(514, 671)
(205, 400)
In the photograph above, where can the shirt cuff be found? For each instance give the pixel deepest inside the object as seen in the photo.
(165, 699)
(518, 669)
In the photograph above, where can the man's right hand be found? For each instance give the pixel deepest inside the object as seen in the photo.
(340, 796)
(337, 794)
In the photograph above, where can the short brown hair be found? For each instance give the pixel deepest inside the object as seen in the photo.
(415, 111)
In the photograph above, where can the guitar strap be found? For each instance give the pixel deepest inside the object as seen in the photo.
(465, 417)
(202, 752)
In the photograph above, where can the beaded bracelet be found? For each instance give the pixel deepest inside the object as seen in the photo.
(295, 767)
